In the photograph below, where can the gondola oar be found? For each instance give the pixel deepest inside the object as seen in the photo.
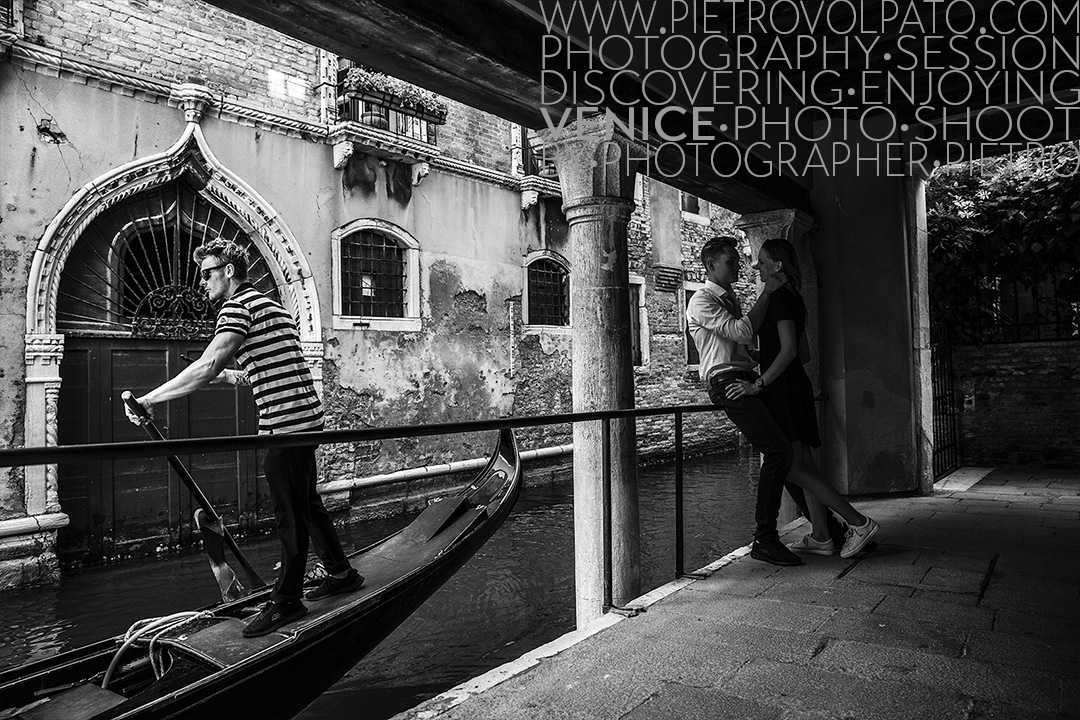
(215, 534)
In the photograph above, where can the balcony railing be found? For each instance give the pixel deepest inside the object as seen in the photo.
(7, 13)
(380, 115)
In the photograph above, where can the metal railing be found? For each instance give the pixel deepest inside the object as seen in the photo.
(15, 457)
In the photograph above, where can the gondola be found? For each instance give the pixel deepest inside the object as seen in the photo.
(203, 668)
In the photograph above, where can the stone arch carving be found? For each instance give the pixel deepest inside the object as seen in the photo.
(190, 154)
(44, 347)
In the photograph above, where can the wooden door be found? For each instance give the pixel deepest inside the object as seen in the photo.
(135, 507)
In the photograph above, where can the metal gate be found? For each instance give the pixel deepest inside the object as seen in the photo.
(946, 442)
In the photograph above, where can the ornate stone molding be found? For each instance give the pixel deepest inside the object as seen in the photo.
(382, 143)
(50, 62)
(258, 219)
(788, 224)
(192, 99)
(475, 172)
(534, 187)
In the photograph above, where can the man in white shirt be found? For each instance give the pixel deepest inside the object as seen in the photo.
(721, 332)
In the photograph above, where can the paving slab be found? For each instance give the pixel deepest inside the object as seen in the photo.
(967, 610)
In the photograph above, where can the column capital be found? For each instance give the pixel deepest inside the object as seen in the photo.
(788, 224)
(594, 160)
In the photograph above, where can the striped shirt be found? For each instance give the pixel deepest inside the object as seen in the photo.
(270, 355)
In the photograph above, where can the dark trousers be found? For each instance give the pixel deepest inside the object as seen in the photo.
(301, 517)
(752, 417)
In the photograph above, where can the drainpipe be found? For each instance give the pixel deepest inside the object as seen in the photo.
(429, 471)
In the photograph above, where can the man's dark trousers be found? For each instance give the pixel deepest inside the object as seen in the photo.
(301, 516)
(752, 417)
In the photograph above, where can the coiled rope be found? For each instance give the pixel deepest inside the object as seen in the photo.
(162, 625)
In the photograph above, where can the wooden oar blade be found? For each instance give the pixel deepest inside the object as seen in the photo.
(213, 535)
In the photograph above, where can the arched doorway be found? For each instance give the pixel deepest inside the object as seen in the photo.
(127, 306)
(132, 313)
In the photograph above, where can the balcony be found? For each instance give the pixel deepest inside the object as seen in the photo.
(10, 22)
(384, 117)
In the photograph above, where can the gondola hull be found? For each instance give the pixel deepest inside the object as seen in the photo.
(216, 673)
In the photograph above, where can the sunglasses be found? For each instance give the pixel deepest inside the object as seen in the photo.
(206, 272)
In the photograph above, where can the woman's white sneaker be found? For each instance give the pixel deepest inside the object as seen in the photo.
(857, 537)
(814, 547)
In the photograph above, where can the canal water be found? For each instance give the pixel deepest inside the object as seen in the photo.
(516, 594)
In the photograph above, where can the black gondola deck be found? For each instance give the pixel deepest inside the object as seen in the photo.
(215, 672)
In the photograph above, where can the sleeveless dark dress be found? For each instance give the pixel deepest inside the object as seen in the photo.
(790, 397)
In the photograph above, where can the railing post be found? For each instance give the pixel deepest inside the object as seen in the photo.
(679, 567)
(605, 501)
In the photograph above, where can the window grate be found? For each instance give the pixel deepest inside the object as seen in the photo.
(549, 293)
(132, 273)
(7, 13)
(372, 276)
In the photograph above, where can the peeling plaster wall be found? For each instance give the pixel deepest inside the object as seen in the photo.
(51, 143)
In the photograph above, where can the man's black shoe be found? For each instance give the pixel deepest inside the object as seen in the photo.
(774, 552)
(273, 616)
(332, 585)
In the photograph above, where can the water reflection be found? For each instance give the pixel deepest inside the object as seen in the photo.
(516, 594)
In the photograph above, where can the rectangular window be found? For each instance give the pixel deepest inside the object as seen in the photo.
(635, 324)
(372, 276)
(691, 204)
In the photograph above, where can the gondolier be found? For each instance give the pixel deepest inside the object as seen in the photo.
(262, 336)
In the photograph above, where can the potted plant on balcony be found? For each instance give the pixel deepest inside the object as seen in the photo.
(379, 89)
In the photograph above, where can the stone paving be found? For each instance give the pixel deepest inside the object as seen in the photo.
(968, 610)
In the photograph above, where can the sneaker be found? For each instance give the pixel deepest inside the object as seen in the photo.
(814, 547)
(857, 537)
(774, 552)
(273, 616)
(333, 586)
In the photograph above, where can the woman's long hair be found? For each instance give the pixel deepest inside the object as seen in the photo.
(784, 252)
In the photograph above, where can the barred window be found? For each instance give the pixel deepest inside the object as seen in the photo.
(548, 293)
(372, 276)
(376, 276)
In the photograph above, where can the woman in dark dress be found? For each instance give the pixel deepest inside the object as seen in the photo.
(790, 397)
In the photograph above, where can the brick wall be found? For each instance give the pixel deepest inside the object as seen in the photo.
(474, 136)
(175, 40)
(1020, 404)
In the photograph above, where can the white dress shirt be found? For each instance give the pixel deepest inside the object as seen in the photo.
(720, 331)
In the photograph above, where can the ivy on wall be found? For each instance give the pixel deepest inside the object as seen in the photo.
(1004, 226)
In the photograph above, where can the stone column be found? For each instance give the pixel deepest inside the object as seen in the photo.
(791, 225)
(597, 184)
(43, 355)
(922, 392)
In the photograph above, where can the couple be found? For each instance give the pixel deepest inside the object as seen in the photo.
(774, 410)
